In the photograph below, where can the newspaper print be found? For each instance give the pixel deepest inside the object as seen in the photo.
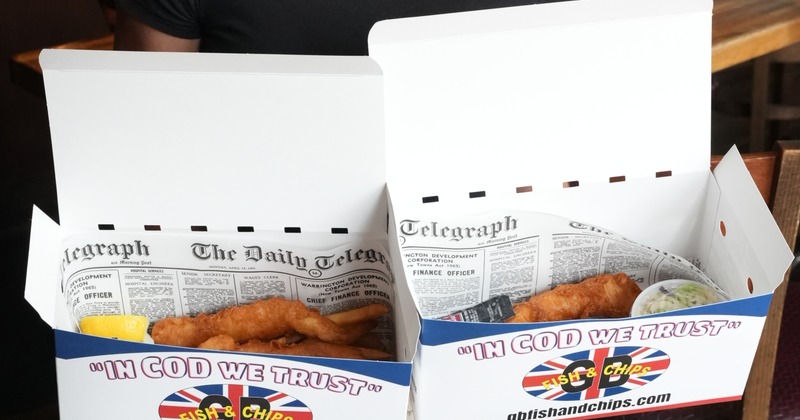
(457, 263)
(168, 275)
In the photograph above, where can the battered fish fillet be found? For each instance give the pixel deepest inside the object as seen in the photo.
(182, 331)
(307, 347)
(603, 296)
(263, 320)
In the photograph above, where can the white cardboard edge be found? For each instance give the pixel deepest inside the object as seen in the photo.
(530, 64)
(177, 137)
(765, 239)
(564, 13)
(408, 324)
(140, 61)
(42, 271)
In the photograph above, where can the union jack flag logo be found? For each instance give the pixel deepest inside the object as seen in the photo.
(596, 373)
(232, 402)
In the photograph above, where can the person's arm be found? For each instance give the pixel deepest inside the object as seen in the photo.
(132, 35)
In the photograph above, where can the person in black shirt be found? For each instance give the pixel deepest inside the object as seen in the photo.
(313, 27)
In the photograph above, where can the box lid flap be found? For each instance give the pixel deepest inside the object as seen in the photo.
(545, 94)
(749, 254)
(43, 267)
(219, 140)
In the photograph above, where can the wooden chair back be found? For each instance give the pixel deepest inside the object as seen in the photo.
(774, 94)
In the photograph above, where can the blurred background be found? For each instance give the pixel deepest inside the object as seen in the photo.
(26, 178)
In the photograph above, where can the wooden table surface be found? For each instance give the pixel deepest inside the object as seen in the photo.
(25, 71)
(746, 29)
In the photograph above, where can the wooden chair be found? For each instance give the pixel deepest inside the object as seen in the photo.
(773, 84)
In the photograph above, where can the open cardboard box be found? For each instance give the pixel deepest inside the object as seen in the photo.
(481, 102)
(599, 112)
(220, 141)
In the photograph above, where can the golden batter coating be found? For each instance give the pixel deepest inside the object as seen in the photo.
(602, 296)
(263, 320)
(182, 331)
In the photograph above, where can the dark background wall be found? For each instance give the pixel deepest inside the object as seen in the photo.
(26, 179)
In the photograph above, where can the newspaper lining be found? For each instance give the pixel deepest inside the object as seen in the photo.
(168, 275)
(449, 265)
(457, 263)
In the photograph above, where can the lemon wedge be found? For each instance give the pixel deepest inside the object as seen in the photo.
(123, 327)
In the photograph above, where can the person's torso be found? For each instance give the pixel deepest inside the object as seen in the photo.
(323, 27)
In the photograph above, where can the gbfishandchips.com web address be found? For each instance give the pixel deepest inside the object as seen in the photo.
(588, 407)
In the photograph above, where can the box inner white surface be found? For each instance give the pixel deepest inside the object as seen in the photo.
(544, 94)
(218, 140)
(538, 96)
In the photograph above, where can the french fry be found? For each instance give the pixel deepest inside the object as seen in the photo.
(357, 315)
(356, 331)
(313, 347)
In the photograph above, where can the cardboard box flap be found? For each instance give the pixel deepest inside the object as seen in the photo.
(545, 94)
(749, 255)
(43, 267)
(218, 140)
